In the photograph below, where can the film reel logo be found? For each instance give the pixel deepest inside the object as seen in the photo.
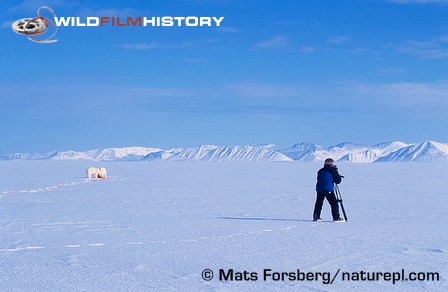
(37, 26)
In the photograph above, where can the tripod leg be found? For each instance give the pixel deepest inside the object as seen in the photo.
(343, 211)
(339, 199)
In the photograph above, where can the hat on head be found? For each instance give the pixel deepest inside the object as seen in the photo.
(328, 160)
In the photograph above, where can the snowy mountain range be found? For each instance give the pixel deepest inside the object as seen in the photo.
(223, 153)
(347, 151)
(428, 151)
(106, 154)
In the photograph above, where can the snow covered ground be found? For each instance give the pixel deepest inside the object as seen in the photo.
(158, 225)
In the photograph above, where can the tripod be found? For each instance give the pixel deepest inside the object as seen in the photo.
(339, 200)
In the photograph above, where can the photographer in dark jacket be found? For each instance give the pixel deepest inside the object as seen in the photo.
(327, 176)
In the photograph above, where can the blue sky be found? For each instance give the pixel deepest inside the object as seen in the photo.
(275, 72)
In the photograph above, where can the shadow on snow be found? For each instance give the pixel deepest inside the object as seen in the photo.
(266, 219)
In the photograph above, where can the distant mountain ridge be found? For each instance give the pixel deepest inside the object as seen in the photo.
(428, 151)
(223, 153)
(106, 154)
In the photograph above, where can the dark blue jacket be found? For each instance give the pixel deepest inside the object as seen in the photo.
(326, 177)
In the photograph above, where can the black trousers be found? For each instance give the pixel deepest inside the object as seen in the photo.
(331, 198)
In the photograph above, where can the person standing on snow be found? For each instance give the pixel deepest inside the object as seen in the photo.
(327, 176)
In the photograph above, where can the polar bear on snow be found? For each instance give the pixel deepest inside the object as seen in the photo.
(96, 172)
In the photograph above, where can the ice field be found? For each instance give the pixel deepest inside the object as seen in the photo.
(158, 225)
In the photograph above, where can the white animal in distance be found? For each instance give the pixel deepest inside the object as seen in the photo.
(93, 172)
